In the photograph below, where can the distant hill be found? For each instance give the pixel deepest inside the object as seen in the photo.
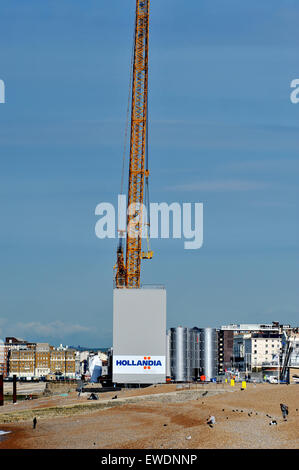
(83, 348)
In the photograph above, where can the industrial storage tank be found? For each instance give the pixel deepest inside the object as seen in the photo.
(208, 352)
(184, 353)
(194, 334)
(179, 353)
(168, 353)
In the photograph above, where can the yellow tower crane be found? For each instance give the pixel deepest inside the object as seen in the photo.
(128, 271)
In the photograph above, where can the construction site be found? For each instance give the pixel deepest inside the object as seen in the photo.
(139, 313)
(157, 387)
(141, 353)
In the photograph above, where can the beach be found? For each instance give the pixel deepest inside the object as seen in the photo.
(164, 418)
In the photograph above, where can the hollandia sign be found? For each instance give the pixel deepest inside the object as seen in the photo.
(139, 364)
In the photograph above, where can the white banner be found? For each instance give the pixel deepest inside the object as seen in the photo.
(139, 364)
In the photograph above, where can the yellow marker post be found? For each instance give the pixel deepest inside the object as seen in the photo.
(232, 382)
(244, 384)
(226, 381)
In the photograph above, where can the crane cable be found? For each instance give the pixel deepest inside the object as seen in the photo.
(128, 113)
(127, 124)
(147, 199)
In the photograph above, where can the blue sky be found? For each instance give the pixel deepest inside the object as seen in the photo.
(223, 131)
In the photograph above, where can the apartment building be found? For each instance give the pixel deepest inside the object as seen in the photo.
(42, 359)
(294, 356)
(274, 327)
(225, 350)
(26, 360)
(60, 362)
(70, 363)
(15, 362)
(262, 349)
(253, 351)
(63, 362)
(22, 362)
(57, 362)
(290, 356)
(3, 359)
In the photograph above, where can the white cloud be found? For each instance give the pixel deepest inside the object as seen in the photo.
(55, 329)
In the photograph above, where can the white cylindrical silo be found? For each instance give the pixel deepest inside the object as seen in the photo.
(179, 353)
(194, 353)
(208, 352)
(168, 353)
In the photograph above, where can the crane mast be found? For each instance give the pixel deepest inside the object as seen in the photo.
(128, 271)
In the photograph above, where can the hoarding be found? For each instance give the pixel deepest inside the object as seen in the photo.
(139, 335)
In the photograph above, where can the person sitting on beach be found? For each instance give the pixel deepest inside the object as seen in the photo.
(211, 421)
